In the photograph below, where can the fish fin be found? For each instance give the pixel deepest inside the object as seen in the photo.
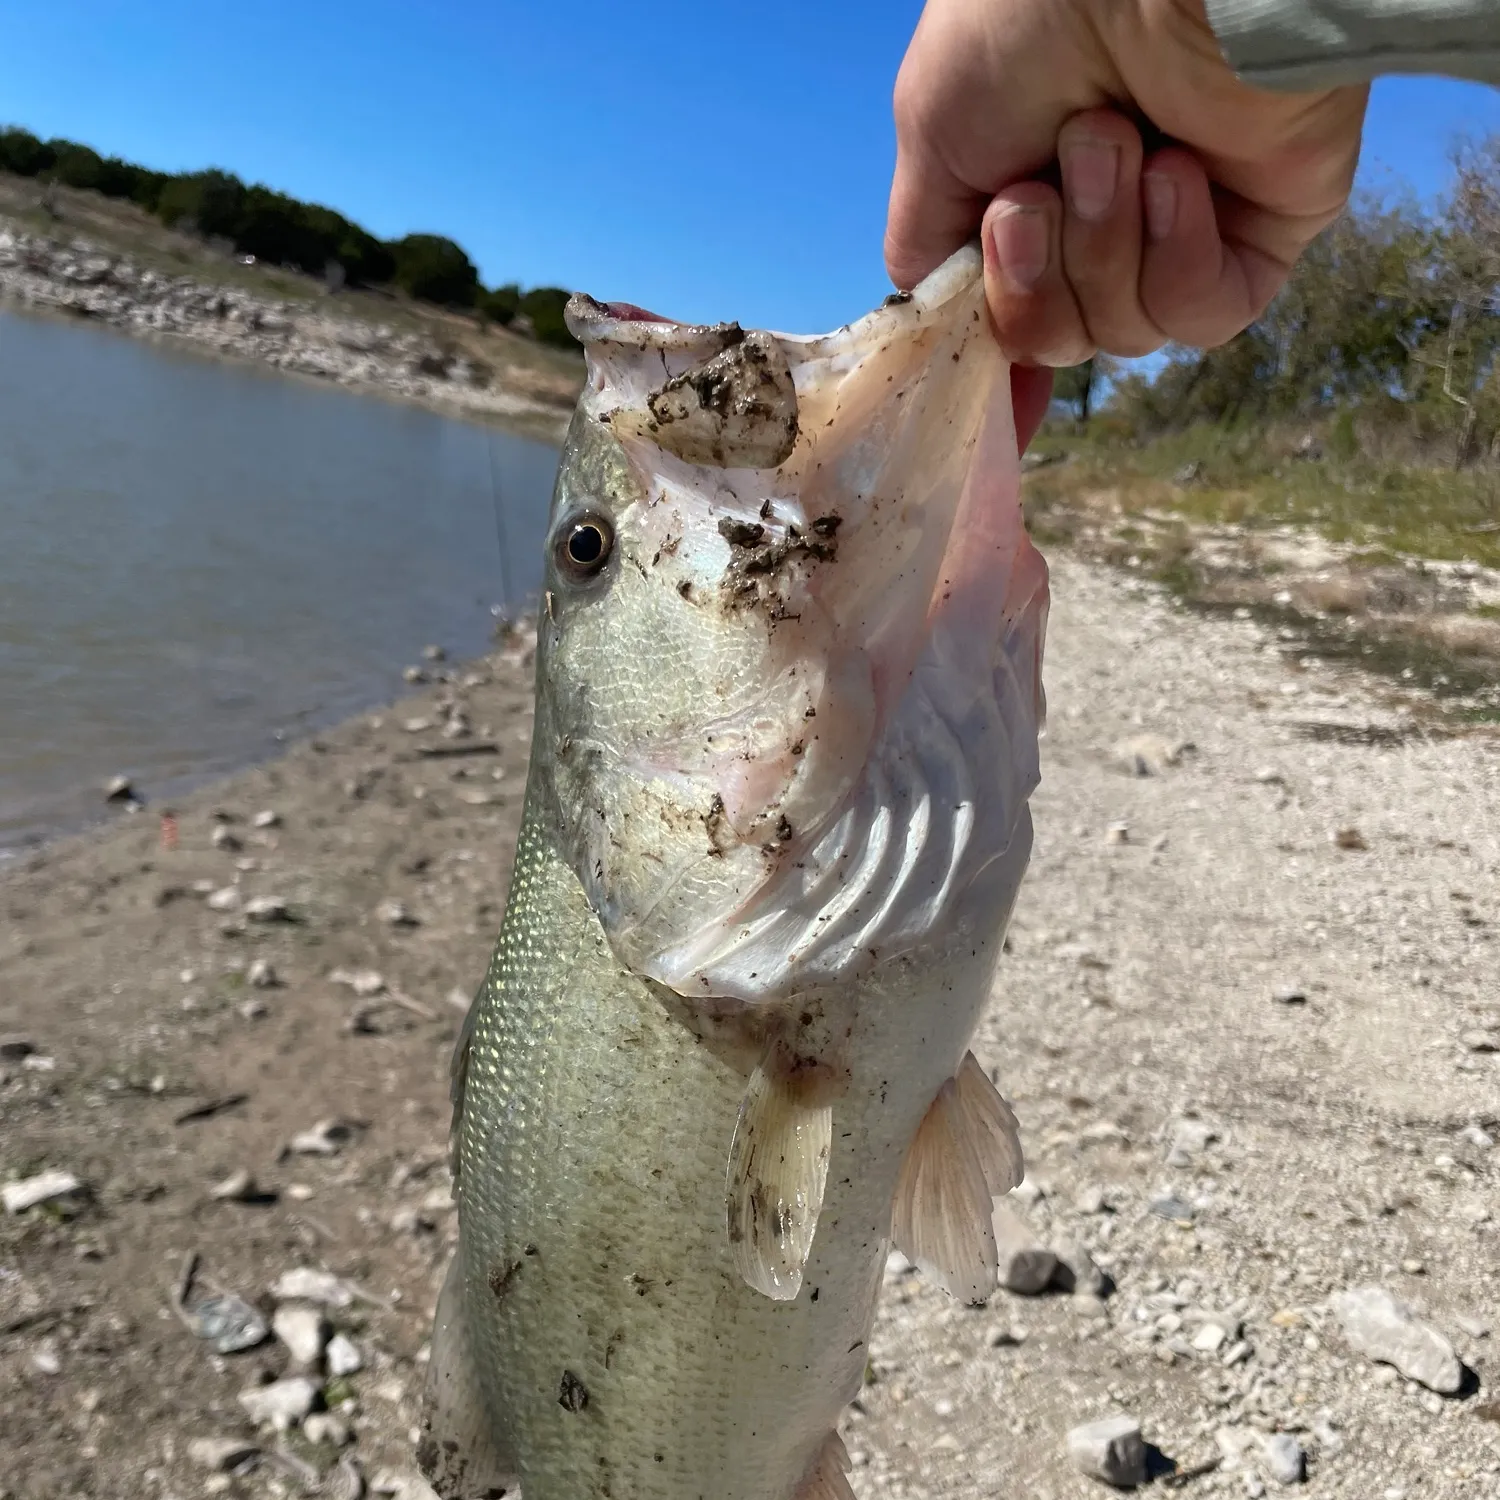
(778, 1168)
(828, 1477)
(992, 1126)
(941, 1217)
(461, 1451)
(458, 1079)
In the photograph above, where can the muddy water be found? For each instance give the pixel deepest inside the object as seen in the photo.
(198, 559)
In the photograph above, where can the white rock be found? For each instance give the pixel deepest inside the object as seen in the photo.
(1075, 1270)
(45, 1187)
(219, 1455)
(1381, 1328)
(343, 1356)
(1209, 1339)
(305, 1284)
(226, 898)
(266, 818)
(1190, 1139)
(261, 975)
(327, 1427)
(280, 1405)
(304, 1331)
(364, 982)
(395, 913)
(1110, 1449)
(1284, 1459)
(266, 909)
(235, 1188)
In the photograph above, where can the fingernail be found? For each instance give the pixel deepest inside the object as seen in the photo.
(1091, 175)
(1021, 245)
(1161, 204)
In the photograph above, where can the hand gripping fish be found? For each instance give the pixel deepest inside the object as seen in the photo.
(787, 706)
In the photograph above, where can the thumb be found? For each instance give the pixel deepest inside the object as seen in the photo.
(932, 213)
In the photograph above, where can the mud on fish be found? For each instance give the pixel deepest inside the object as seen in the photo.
(787, 706)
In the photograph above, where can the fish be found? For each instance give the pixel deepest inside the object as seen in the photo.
(788, 703)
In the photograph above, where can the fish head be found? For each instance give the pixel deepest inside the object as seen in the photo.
(789, 655)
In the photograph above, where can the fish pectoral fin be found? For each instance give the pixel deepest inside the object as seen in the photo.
(966, 1151)
(828, 1477)
(778, 1168)
(992, 1126)
(462, 1452)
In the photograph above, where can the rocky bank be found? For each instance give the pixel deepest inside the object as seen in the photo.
(82, 278)
(1248, 1019)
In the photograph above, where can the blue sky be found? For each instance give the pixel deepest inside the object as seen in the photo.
(704, 159)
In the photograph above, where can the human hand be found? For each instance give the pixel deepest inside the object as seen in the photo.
(1186, 241)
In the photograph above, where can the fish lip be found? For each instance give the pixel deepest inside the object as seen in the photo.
(591, 321)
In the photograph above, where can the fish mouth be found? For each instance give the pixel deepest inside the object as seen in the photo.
(858, 494)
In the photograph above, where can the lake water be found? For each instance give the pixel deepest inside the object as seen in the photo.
(198, 559)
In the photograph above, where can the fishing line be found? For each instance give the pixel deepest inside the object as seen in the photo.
(501, 539)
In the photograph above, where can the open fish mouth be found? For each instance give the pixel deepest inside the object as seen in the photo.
(846, 507)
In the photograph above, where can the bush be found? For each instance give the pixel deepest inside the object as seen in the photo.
(22, 153)
(543, 305)
(502, 304)
(434, 269)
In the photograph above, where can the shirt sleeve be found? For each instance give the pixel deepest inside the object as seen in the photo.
(1314, 44)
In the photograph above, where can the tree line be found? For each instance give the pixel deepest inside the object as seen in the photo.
(285, 231)
(1387, 334)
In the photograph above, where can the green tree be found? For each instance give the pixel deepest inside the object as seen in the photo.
(502, 304)
(211, 202)
(22, 153)
(544, 305)
(432, 268)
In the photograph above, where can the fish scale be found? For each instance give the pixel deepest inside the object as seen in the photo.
(770, 844)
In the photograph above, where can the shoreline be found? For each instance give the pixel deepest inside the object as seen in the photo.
(85, 279)
(237, 1041)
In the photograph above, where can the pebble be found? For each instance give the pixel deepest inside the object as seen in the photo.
(327, 1427)
(1476, 1328)
(1091, 1200)
(1289, 994)
(1383, 1329)
(343, 1356)
(303, 1329)
(119, 789)
(1190, 1139)
(267, 909)
(1149, 754)
(227, 1322)
(226, 898)
(45, 1187)
(1284, 1459)
(1110, 1449)
(1481, 1041)
(45, 1360)
(267, 817)
(324, 1139)
(395, 914)
(223, 837)
(260, 975)
(1026, 1267)
(1075, 1270)
(1173, 1208)
(280, 1405)
(220, 1455)
(1209, 1339)
(1348, 838)
(15, 1048)
(238, 1187)
(364, 982)
(434, 653)
(306, 1284)
(1117, 833)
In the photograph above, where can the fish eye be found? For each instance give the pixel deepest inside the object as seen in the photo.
(583, 546)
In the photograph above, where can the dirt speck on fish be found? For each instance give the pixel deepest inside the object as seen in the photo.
(788, 699)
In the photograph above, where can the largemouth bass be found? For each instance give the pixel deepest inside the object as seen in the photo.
(788, 697)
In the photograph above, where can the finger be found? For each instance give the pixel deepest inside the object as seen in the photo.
(1195, 286)
(1100, 155)
(931, 215)
(1030, 396)
(1036, 316)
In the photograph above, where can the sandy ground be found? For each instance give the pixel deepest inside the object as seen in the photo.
(1343, 1138)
